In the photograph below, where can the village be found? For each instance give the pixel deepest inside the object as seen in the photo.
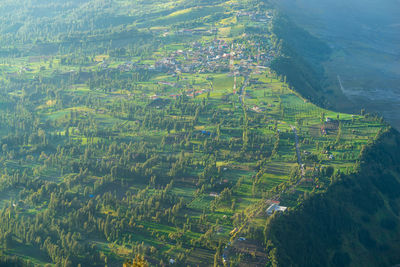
(216, 56)
(211, 57)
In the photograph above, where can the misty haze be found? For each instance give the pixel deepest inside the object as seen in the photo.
(365, 37)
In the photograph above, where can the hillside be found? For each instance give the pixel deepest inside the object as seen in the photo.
(164, 131)
(354, 223)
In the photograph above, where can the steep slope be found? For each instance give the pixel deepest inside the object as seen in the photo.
(302, 61)
(355, 223)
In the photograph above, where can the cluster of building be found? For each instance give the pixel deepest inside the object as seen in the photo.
(212, 57)
(216, 56)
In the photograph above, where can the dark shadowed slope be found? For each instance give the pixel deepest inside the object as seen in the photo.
(365, 36)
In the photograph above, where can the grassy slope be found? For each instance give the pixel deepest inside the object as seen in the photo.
(355, 223)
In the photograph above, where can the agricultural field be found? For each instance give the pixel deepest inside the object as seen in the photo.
(172, 150)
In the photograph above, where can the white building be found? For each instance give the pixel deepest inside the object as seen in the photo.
(275, 208)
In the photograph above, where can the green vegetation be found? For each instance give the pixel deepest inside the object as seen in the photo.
(156, 128)
(361, 227)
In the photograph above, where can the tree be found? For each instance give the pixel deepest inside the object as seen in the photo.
(139, 261)
(322, 117)
(272, 256)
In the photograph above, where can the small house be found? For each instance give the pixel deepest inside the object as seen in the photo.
(275, 208)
